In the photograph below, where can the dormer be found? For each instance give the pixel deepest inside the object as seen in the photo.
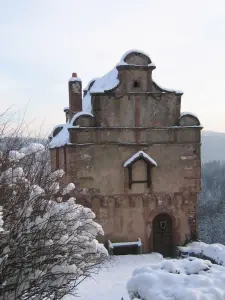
(143, 175)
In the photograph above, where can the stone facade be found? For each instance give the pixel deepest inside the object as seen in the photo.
(133, 114)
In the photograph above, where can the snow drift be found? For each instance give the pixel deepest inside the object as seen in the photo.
(181, 279)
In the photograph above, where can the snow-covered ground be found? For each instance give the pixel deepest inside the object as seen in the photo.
(155, 278)
(110, 283)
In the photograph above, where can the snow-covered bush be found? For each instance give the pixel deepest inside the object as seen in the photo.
(47, 242)
(213, 252)
(181, 279)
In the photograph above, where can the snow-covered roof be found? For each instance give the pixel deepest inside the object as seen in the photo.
(89, 83)
(62, 138)
(105, 83)
(57, 126)
(111, 81)
(138, 155)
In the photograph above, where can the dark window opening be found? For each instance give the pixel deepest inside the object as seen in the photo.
(136, 84)
(125, 250)
(147, 180)
(57, 130)
(149, 163)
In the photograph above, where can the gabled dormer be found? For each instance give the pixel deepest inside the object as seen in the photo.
(149, 162)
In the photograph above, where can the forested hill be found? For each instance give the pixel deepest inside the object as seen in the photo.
(213, 146)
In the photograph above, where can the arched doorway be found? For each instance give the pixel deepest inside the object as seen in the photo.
(162, 235)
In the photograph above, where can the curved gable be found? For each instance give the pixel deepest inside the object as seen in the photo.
(188, 119)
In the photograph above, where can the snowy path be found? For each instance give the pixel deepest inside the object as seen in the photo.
(111, 281)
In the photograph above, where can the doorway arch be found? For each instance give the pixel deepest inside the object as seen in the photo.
(163, 234)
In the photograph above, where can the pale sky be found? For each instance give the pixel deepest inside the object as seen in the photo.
(43, 41)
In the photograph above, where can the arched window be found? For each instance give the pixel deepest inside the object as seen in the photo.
(149, 162)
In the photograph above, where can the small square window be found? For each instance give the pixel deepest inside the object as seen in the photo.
(136, 84)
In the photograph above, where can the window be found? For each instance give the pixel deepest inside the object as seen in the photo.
(147, 176)
(136, 84)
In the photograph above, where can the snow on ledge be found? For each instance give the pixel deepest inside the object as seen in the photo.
(140, 154)
(136, 243)
(130, 52)
(77, 115)
(75, 79)
(188, 114)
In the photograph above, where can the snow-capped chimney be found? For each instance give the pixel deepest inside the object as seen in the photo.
(75, 94)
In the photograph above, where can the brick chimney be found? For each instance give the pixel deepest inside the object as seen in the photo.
(75, 94)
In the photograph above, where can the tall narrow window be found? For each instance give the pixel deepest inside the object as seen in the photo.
(136, 84)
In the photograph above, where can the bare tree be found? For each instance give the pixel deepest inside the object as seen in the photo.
(48, 242)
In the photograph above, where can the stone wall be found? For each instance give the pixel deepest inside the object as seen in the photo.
(129, 217)
(101, 167)
(139, 136)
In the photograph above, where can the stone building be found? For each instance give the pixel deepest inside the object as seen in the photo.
(133, 155)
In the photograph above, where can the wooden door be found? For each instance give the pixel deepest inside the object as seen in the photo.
(162, 235)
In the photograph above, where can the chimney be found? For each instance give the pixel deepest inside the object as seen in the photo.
(75, 94)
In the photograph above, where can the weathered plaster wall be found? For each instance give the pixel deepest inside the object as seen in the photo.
(100, 165)
(154, 110)
(127, 214)
(127, 218)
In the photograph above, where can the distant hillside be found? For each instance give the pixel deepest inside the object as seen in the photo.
(213, 146)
